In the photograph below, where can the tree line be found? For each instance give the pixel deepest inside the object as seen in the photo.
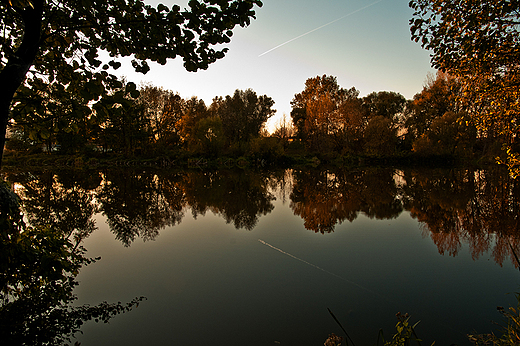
(148, 121)
(56, 90)
(329, 118)
(326, 121)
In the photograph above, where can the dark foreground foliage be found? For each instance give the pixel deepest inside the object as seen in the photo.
(38, 267)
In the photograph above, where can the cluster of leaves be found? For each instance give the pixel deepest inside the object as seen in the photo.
(73, 33)
(38, 266)
(405, 333)
(477, 42)
(467, 36)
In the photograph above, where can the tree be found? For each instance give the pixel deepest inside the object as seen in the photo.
(436, 122)
(380, 136)
(439, 96)
(60, 42)
(193, 111)
(170, 116)
(388, 104)
(385, 112)
(163, 110)
(354, 124)
(316, 111)
(477, 42)
(243, 115)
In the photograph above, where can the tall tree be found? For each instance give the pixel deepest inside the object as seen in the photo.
(388, 104)
(317, 110)
(193, 111)
(477, 42)
(244, 114)
(60, 42)
(164, 109)
(439, 96)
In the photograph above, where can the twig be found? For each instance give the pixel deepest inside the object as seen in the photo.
(344, 331)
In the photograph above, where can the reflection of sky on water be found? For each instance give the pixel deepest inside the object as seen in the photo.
(207, 282)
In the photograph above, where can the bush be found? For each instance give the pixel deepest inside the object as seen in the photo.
(266, 148)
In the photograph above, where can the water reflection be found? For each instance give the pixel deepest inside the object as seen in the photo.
(135, 205)
(454, 207)
(325, 198)
(65, 201)
(239, 197)
(39, 265)
(478, 208)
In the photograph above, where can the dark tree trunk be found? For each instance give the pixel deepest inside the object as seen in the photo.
(14, 72)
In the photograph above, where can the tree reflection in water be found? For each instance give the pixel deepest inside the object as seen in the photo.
(38, 267)
(454, 206)
(239, 197)
(480, 208)
(325, 198)
(40, 262)
(135, 205)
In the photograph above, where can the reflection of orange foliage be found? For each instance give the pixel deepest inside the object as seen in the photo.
(486, 219)
(324, 199)
(321, 213)
(447, 242)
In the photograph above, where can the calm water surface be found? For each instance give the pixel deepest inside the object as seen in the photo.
(236, 258)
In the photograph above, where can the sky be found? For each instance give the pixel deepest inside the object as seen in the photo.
(363, 43)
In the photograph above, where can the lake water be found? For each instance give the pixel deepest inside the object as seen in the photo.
(256, 258)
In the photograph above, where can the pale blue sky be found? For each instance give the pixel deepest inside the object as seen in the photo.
(369, 49)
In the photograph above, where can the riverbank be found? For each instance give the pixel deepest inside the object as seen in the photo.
(186, 161)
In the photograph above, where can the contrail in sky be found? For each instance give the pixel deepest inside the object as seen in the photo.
(320, 27)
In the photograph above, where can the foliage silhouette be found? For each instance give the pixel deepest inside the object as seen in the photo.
(38, 266)
(56, 47)
(453, 206)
